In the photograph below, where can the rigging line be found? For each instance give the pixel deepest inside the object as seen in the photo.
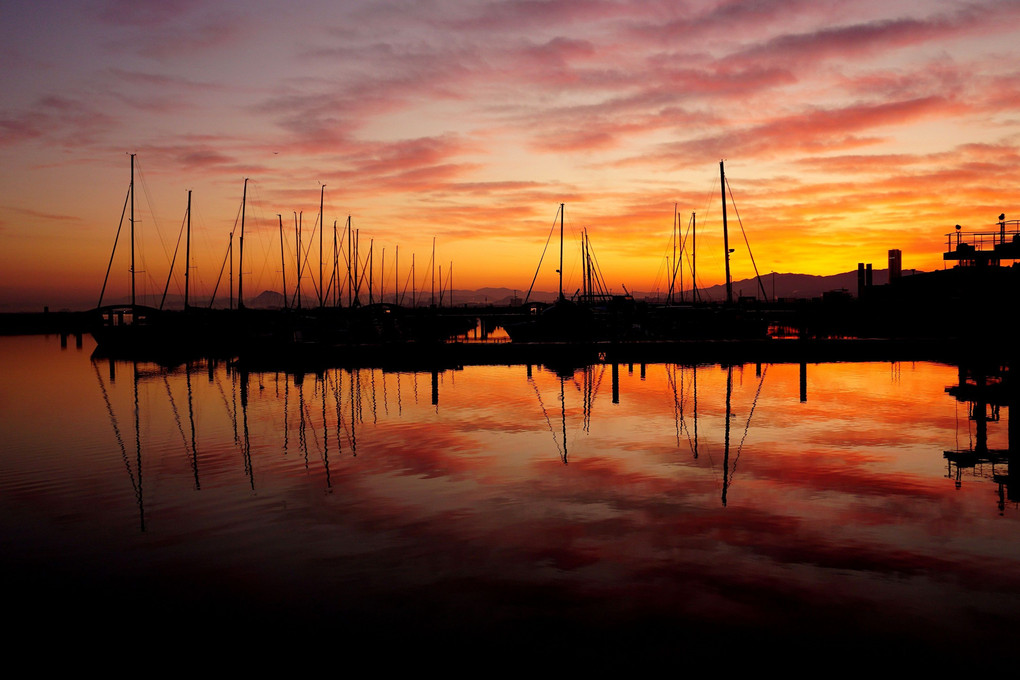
(329, 287)
(116, 429)
(152, 282)
(677, 262)
(685, 398)
(177, 416)
(223, 265)
(306, 405)
(337, 397)
(227, 254)
(226, 405)
(335, 384)
(152, 213)
(711, 195)
(339, 415)
(746, 242)
(539, 268)
(599, 279)
(683, 249)
(690, 260)
(583, 391)
(257, 209)
(403, 292)
(364, 270)
(116, 238)
(596, 386)
(684, 427)
(177, 248)
(424, 278)
(559, 449)
(670, 246)
(593, 395)
(200, 233)
(660, 275)
(308, 252)
(671, 379)
(747, 425)
(685, 394)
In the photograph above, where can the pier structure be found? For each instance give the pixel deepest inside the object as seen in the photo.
(984, 248)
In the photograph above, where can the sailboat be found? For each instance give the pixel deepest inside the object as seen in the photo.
(120, 328)
(136, 331)
(710, 321)
(592, 314)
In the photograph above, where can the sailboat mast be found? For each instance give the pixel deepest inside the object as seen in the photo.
(726, 235)
(561, 252)
(584, 265)
(132, 230)
(433, 301)
(336, 268)
(590, 263)
(589, 274)
(694, 257)
(672, 278)
(230, 249)
(322, 193)
(283, 262)
(297, 239)
(356, 259)
(350, 263)
(678, 264)
(187, 255)
(240, 252)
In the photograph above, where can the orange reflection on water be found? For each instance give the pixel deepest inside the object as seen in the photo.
(687, 494)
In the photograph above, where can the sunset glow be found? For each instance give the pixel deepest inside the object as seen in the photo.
(847, 129)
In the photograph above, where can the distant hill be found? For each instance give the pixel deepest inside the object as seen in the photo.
(779, 285)
(795, 285)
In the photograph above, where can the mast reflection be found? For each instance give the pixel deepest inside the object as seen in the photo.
(331, 415)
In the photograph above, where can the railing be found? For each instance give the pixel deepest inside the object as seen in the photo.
(1008, 231)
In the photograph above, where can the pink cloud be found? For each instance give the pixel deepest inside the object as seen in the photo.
(730, 18)
(842, 42)
(71, 121)
(145, 14)
(165, 30)
(517, 16)
(819, 130)
(44, 216)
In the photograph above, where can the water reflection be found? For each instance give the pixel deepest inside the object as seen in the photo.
(985, 389)
(330, 408)
(664, 503)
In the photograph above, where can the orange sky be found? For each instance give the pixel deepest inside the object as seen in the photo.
(847, 129)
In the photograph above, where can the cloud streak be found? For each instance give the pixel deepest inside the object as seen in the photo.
(481, 114)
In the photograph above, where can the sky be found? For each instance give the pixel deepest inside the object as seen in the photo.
(846, 129)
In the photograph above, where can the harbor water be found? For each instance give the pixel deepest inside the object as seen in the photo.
(606, 514)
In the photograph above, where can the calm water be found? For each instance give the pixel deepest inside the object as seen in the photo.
(511, 509)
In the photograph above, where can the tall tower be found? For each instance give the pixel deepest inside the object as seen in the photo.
(895, 264)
